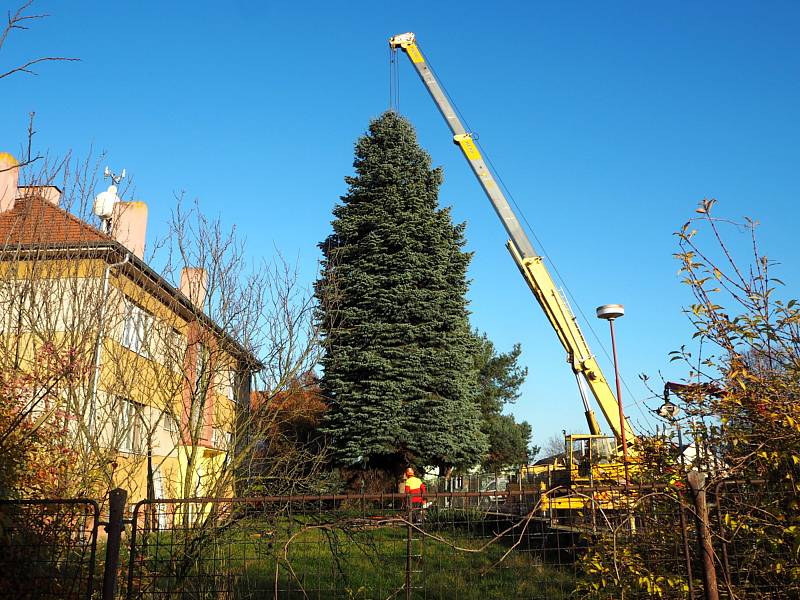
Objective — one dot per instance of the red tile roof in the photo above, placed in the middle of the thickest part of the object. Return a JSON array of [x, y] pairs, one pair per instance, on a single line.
[[34, 220]]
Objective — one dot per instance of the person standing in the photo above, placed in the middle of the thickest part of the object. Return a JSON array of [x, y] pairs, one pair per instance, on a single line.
[[415, 488]]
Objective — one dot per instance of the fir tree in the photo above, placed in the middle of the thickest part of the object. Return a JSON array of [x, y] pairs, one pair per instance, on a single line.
[[393, 311]]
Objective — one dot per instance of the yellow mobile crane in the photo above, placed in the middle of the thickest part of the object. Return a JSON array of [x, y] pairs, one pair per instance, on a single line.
[[581, 450]]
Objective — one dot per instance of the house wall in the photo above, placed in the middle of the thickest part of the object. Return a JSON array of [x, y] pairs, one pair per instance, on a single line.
[[61, 305]]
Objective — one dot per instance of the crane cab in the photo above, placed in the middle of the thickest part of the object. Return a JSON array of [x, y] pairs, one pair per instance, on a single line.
[[590, 459], [587, 460]]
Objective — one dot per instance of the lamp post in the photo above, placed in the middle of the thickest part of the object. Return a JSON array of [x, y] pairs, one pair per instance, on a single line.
[[611, 312]]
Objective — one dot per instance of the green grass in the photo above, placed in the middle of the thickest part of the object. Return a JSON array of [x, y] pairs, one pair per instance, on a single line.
[[361, 561]]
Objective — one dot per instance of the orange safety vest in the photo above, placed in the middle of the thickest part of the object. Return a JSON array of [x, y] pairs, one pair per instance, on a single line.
[[416, 488]]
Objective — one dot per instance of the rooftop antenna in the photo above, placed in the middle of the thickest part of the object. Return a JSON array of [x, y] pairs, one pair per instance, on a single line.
[[104, 201], [115, 179]]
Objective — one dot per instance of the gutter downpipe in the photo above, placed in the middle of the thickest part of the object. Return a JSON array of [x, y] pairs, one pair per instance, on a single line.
[[98, 342]]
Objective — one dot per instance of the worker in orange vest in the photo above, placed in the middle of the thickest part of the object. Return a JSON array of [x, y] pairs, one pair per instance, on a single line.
[[415, 488]]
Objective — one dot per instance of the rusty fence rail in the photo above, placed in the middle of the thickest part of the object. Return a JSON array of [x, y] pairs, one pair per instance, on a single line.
[[48, 548]]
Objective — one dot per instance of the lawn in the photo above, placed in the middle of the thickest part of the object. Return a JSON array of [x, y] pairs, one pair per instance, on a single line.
[[350, 557]]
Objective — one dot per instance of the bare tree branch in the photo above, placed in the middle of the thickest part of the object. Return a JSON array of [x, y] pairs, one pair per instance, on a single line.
[[19, 20]]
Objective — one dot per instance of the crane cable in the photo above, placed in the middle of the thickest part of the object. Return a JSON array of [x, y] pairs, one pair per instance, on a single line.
[[391, 75], [452, 102], [394, 81]]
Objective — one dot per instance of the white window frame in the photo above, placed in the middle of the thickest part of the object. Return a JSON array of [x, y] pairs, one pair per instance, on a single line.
[[202, 365], [195, 417], [132, 420], [137, 328], [226, 387], [177, 351], [159, 492], [169, 423], [123, 408]]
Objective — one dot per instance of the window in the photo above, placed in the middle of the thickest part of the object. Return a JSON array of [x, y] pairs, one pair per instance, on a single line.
[[159, 491], [131, 421], [199, 484], [73, 426], [199, 391], [602, 450], [202, 367], [177, 348], [123, 410], [169, 423], [194, 420], [136, 328], [228, 449], [227, 380], [220, 440]]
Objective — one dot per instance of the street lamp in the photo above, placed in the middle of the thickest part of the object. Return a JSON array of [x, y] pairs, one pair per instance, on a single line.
[[611, 312], [669, 411]]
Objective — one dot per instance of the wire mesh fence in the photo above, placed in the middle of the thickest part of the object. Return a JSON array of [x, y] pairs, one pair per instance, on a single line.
[[756, 529], [459, 544], [48, 548], [660, 540], [477, 538]]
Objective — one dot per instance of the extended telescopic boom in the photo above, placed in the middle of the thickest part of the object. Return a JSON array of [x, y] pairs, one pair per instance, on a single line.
[[556, 309]]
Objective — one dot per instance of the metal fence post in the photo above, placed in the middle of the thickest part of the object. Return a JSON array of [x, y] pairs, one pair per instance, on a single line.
[[116, 508], [409, 534], [685, 536], [697, 482]]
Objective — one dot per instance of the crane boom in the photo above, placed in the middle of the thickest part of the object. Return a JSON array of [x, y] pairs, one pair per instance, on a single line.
[[530, 264]]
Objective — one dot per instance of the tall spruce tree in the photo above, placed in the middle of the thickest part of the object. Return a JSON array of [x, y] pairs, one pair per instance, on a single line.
[[393, 311]]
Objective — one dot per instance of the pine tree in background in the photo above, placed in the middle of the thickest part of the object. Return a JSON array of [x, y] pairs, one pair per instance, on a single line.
[[398, 349], [499, 380]]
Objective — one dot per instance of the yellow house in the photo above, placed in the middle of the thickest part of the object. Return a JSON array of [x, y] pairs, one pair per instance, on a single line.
[[148, 387]]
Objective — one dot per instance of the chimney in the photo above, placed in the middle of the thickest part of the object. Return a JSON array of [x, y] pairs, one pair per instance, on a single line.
[[129, 225], [9, 179], [194, 285], [47, 192]]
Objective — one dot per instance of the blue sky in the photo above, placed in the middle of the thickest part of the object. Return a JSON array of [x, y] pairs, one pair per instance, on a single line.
[[607, 121]]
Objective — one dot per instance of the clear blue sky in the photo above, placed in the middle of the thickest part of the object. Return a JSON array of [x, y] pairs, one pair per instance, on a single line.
[[608, 121]]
